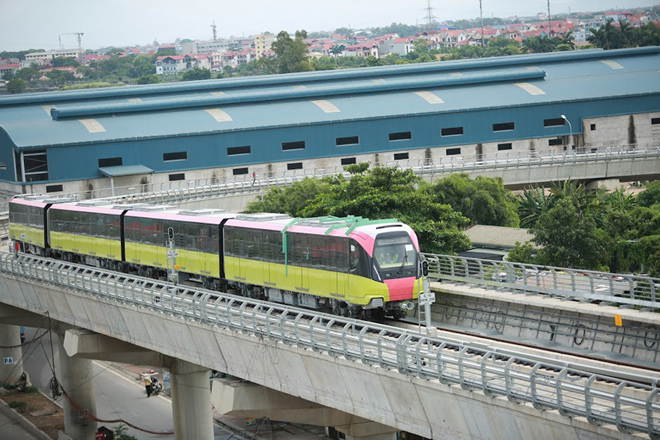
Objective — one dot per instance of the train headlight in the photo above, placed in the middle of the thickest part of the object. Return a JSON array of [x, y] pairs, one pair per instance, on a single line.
[[407, 305]]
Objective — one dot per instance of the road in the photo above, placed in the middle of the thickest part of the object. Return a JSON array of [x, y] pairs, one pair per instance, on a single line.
[[118, 396]]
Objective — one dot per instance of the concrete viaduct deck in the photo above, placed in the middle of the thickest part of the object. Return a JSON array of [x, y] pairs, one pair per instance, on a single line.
[[379, 379]]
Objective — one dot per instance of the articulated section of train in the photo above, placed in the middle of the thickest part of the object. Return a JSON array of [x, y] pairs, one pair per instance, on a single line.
[[347, 266]]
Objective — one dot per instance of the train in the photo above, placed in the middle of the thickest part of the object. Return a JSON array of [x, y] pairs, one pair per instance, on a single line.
[[348, 266]]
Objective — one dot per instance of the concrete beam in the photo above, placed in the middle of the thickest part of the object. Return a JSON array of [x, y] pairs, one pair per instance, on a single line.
[[245, 399], [15, 316], [85, 344]]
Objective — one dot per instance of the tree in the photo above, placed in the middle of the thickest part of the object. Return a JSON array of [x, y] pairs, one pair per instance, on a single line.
[[569, 240], [483, 200], [531, 204], [148, 79], [498, 47], [650, 196], [291, 52], [290, 200], [65, 62], [196, 74], [336, 50], [28, 73], [16, 85]]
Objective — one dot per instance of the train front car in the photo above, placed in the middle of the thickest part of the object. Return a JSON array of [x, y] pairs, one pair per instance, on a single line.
[[27, 224], [324, 263], [390, 260]]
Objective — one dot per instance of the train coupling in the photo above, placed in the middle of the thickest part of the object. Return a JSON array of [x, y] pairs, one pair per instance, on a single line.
[[407, 305]]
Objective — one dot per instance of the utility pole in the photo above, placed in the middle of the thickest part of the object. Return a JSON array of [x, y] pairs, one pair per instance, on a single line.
[[548, 18], [430, 18], [481, 14], [215, 35]]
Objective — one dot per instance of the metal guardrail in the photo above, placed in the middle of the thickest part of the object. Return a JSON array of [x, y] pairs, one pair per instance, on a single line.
[[629, 405], [632, 290], [169, 192]]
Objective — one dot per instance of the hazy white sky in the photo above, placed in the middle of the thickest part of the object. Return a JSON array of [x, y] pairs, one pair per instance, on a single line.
[[26, 24]]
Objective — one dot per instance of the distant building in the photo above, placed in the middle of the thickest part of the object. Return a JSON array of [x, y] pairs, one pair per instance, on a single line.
[[173, 64], [4, 68], [262, 43], [42, 58]]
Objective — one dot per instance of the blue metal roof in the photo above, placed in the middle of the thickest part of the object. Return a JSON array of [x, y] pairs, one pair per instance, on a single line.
[[582, 83]]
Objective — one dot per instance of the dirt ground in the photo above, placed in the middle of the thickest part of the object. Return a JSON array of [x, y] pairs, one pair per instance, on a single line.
[[38, 409]]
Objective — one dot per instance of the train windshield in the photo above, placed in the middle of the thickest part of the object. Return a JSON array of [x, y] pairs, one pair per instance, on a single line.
[[395, 255]]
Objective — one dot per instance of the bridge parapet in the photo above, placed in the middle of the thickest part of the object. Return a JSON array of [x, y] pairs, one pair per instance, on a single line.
[[631, 404]]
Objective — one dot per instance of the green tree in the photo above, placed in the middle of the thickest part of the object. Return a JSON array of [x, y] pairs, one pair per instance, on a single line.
[[650, 196], [60, 77], [501, 47], [540, 44], [531, 204], [64, 62], [196, 74], [16, 85], [568, 239], [28, 73], [290, 200], [607, 37], [483, 200], [148, 79], [336, 50], [9, 75], [291, 52], [522, 253]]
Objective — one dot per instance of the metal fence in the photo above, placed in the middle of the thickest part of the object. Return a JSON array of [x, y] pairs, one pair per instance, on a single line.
[[631, 405], [632, 290]]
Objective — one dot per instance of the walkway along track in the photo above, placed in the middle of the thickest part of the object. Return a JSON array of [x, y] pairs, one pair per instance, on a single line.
[[602, 399]]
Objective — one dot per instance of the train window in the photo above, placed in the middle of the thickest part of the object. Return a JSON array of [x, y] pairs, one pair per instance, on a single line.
[[506, 126], [358, 260], [272, 246], [452, 131], [554, 122], [401, 136]]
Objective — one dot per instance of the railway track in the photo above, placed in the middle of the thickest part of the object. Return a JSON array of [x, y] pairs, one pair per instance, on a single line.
[[626, 399]]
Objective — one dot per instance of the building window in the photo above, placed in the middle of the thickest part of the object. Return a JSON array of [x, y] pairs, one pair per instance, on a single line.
[[655, 121], [179, 176], [110, 162], [452, 131], [239, 171], [181, 155], [558, 141], [35, 165], [502, 147], [593, 127], [294, 166], [54, 188], [401, 136], [507, 126], [348, 161], [554, 122], [453, 151], [350, 140], [400, 156], [233, 151], [286, 146]]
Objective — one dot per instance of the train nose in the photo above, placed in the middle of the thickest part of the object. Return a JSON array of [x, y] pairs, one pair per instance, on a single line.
[[400, 288]]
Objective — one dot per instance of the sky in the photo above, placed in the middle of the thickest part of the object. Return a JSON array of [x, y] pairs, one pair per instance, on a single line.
[[26, 24]]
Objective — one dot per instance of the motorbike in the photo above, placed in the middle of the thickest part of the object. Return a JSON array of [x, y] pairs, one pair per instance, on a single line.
[[156, 386]]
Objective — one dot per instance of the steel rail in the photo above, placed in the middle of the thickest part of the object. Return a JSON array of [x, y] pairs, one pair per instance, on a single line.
[[601, 399]]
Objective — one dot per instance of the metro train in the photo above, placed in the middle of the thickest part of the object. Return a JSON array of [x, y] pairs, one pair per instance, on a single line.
[[347, 266]]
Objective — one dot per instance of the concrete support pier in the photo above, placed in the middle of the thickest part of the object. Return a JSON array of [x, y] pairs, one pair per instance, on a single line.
[[11, 358], [191, 401], [76, 377]]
